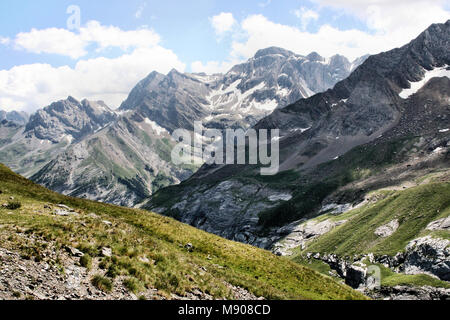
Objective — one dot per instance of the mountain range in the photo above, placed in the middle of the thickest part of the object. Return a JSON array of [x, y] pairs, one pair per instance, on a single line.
[[85, 149], [362, 194]]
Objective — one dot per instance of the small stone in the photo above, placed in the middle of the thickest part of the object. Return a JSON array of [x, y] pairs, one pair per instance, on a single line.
[[189, 247], [62, 213], [144, 260], [74, 252], [63, 206], [108, 223], [106, 252]]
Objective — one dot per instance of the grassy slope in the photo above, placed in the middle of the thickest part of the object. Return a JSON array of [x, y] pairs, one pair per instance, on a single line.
[[414, 208], [137, 233]]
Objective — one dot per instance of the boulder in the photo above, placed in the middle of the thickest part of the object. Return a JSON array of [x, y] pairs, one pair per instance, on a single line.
[[428, 255], [441, 224], [387, 229], [355, 276]]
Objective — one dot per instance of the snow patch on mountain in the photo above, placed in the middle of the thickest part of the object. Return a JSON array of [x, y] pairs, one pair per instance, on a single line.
[[429, 74], [157, 128]]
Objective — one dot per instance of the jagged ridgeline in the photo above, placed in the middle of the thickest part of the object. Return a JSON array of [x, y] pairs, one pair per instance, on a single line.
[[84, 149], [91, 250]]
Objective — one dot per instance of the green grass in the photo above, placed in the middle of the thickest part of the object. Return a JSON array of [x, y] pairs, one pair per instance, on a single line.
[[391, 279], [135, 234], [102, 283], [414, 208]]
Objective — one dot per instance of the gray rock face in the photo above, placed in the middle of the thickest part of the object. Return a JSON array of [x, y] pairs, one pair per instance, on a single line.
[[428, 255], [441, 224], [300, 234], [69, 119], [388, 229], [410, 293], [122, 164], [26, 149]]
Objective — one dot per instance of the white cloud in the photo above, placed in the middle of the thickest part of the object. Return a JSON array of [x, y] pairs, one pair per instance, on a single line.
[[212, 67], [306, 16], [408, 17], [388, 33], [109, 36], [223, 22], [4, 41], [29, 87], [52, 40], [74, 45]]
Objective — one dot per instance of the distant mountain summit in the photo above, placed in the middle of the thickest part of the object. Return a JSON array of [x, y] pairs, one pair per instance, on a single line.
[[69, 118], [272, 79], [20, 118]]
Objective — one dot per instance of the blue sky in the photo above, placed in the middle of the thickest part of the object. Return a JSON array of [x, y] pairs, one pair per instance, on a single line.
[[119, 42]]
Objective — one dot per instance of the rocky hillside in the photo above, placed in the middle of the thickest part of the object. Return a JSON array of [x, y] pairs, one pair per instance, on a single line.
[[390, 115], [121, 164], [84, 149], [90, 250], [404, 232]]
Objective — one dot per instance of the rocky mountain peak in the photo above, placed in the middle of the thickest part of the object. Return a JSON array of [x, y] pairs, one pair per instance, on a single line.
[[70, 119], [315, 57], [273, 51]]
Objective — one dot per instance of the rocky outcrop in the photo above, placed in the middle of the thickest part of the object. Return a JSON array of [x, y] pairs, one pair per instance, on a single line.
[[409, 293], [441, 224], [387, 229], [300, 234], [428, 255], [70, 119]]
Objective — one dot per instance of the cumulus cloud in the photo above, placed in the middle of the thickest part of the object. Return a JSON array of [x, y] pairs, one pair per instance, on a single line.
[[223, 22], [408, 17], [74, 45], [392, 25], [51, 40], [29, 87]]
